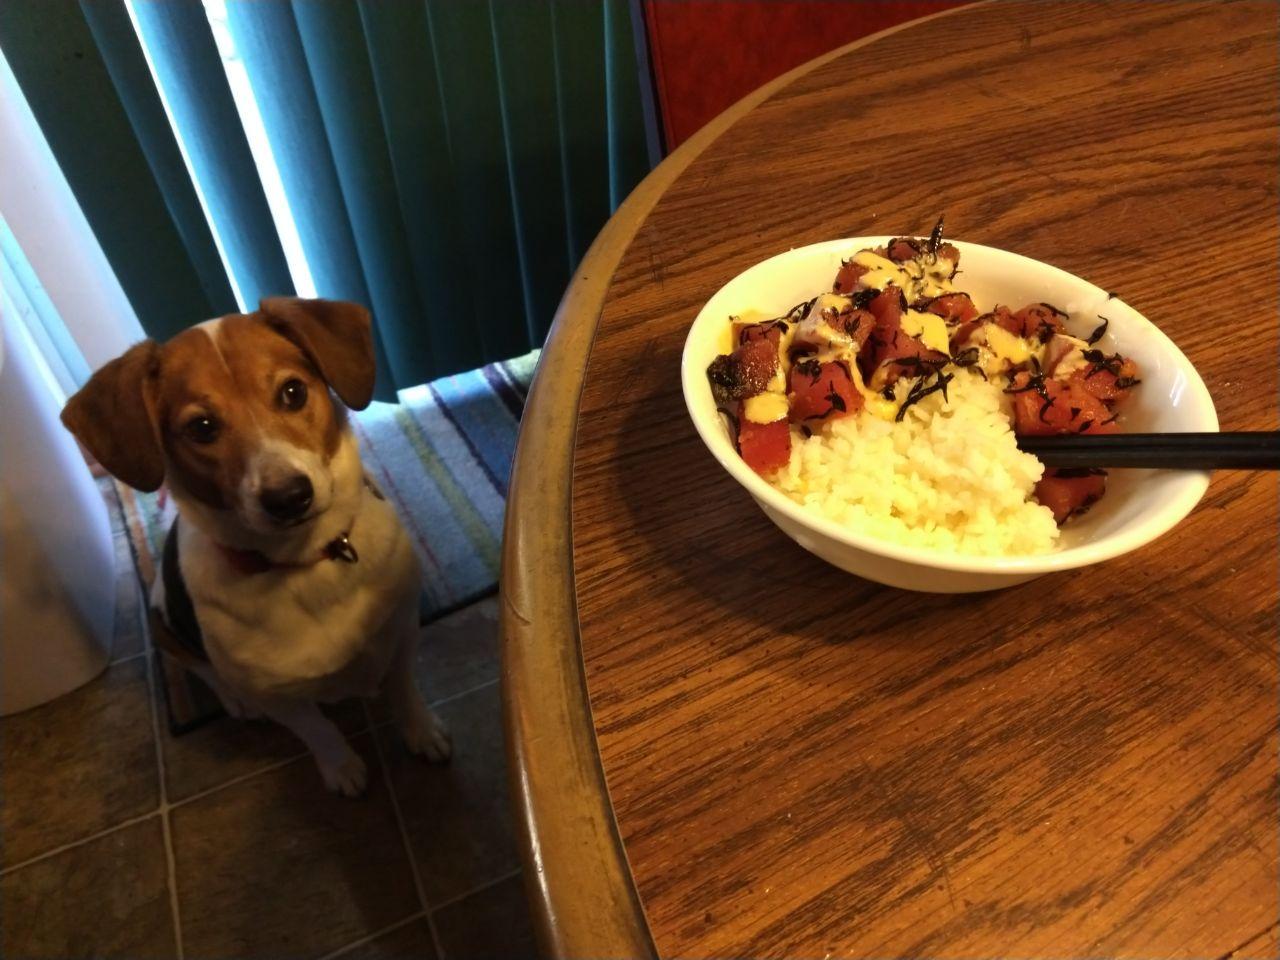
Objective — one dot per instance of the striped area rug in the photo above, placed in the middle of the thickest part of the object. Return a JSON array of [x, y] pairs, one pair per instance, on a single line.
[[442, 455]]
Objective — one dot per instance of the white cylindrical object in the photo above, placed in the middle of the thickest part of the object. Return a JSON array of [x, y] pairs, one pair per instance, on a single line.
[[57, 578]]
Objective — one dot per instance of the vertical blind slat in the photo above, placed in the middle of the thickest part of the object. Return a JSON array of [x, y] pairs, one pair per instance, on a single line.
[[524, 53], [122, 53], [338, 64], [191, 75], [463, 47], [628, 150], [404, 74], [267, 41], [583, 114]]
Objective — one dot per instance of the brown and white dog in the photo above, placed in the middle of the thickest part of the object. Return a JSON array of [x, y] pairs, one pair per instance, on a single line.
[[303, 582]]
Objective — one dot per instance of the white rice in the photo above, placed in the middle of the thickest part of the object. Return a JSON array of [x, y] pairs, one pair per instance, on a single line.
[[949, 476]]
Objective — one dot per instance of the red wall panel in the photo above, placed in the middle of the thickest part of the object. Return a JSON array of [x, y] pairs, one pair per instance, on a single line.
[[707, 54]]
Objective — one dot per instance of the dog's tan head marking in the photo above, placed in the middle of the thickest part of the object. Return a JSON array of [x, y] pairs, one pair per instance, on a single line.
[[337, 338], [236, 413]]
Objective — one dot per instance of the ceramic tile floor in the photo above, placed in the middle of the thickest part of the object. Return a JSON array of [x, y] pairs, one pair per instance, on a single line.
[[120, 840]]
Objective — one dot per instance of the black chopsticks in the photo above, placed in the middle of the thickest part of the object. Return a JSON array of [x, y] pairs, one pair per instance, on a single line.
[[1170, 451]]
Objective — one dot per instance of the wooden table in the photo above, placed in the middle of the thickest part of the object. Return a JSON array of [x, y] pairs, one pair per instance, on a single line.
[[799, 763]]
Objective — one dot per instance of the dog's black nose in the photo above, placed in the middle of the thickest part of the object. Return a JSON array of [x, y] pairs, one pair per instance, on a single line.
[[290, 500]]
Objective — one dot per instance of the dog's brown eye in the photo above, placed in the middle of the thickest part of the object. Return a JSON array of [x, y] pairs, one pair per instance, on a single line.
[[202, 429], [293, 395]]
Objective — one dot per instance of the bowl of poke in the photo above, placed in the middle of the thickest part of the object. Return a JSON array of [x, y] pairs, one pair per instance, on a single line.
[[869, 393]]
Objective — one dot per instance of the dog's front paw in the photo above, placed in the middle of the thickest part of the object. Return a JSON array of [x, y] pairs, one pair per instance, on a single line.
[[426, 736], [346, 775]]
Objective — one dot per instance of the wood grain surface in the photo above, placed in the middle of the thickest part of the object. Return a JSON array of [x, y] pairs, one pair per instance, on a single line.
[[803, 764]]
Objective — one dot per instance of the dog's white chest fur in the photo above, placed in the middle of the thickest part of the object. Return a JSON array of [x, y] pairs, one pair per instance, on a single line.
[[323, 631]]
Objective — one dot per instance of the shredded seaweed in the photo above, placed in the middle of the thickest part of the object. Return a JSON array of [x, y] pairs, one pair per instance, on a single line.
[[862, 298], [798, 312], [809, 368], [1099, 331], [851, 323], [919, 391], [935, 237], [1035, 382], [920, 366], [1101, 361]]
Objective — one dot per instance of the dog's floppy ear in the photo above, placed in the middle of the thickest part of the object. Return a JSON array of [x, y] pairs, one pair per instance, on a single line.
[[111, 416], [336, 335]]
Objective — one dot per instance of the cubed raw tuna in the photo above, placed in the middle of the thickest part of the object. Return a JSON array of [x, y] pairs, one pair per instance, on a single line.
[[847, 278], [822, 391], [1070, 494], [1042, 407], [1035, 321], [1108, 378], [765, 447]]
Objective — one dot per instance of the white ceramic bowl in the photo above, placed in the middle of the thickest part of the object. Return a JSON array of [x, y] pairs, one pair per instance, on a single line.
[[1139, 505]]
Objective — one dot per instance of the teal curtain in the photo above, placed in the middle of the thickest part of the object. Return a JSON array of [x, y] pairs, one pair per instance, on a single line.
[[446, 163]]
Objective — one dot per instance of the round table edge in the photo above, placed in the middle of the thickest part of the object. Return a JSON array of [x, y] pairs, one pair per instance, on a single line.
[[579, 885]]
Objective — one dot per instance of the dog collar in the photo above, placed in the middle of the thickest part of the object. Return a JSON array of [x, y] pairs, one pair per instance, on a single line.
[[250, 562]]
